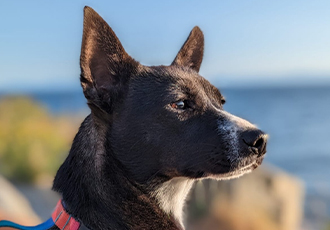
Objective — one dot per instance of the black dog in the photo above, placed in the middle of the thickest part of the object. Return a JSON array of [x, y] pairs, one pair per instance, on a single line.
[[151, 133]]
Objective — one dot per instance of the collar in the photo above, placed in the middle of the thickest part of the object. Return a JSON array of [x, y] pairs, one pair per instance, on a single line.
[[64, 220], [60, 218]]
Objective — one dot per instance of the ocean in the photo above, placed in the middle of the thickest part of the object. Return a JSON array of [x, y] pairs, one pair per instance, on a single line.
[[297, 120], [298, 123]]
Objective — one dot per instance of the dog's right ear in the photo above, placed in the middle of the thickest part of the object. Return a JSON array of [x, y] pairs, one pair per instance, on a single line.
[[191, 53], [105, 66]]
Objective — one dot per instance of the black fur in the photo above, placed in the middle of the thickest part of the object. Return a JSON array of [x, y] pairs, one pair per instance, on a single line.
[[135, 138]]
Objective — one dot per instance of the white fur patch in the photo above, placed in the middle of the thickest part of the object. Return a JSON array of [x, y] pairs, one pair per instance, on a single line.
[[172, 194], [231, 125]]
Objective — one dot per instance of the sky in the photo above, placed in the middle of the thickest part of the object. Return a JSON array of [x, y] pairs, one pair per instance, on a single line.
[[246, 42]]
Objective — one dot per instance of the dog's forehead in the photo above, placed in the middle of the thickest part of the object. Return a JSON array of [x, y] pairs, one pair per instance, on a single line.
[[184, 80]]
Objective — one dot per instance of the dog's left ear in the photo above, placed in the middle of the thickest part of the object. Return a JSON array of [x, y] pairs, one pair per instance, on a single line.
[[191, 53], [105, 66]]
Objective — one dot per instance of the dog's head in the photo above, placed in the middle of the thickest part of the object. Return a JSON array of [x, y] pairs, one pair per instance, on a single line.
[[163, 121]]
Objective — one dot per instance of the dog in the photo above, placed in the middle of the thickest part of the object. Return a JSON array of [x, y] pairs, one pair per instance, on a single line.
[[152, 132]]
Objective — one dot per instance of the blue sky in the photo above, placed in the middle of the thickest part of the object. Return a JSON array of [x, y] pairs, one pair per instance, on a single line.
[[245, 41]]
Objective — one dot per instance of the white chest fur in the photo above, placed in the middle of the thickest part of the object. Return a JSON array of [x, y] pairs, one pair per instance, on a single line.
[[172, 194]]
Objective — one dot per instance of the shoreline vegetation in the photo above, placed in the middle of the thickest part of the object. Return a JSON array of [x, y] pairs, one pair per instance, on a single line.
[[33, 142]]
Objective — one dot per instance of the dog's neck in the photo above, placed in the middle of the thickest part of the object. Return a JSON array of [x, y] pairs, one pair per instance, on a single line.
[[172, 194], [97, 192]]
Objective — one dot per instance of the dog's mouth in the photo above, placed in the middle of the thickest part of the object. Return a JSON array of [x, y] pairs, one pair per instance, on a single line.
[[238, 171]]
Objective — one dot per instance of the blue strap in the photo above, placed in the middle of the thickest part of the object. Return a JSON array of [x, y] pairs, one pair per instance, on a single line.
[[46, 225]]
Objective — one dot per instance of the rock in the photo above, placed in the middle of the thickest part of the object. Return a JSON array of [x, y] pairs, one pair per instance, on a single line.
[[265, 199], [14, 206]]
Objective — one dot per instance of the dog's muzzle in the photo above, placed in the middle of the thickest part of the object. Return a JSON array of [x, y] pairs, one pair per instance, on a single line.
[[245, 142]]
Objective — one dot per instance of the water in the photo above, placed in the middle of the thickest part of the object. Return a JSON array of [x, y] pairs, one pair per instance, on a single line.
[[296, 119], [62, 102]]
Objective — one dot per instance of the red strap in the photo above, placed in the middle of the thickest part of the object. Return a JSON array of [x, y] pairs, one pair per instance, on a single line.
[[64, 220]]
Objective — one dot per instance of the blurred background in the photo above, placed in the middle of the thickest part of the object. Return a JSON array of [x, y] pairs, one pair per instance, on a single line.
[[271, 60]]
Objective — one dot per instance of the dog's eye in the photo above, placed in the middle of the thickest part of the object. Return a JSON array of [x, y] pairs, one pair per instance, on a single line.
[[179, 105], [223, 101]]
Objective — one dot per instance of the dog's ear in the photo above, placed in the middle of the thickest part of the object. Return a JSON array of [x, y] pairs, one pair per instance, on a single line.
[[105, 66], [191, 53]]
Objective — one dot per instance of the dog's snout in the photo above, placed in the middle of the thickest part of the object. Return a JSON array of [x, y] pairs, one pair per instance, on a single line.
[[255, 139]]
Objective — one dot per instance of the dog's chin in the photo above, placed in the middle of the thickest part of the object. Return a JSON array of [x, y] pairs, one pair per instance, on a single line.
[[235, 173]]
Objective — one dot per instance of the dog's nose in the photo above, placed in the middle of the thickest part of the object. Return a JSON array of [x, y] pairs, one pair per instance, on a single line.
[[255, 139]]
